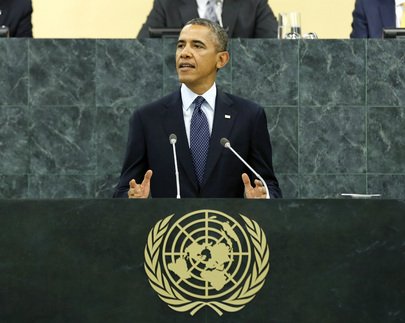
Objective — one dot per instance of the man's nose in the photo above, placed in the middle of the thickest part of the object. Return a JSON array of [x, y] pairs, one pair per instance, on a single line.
[[185, 51]]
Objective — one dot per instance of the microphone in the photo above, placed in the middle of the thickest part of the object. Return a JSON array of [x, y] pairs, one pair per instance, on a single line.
[[226, 143], [173, 140], [4, 30]]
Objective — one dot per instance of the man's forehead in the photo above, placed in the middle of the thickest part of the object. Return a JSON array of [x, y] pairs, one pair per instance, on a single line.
[[196, 33], [194, 30]]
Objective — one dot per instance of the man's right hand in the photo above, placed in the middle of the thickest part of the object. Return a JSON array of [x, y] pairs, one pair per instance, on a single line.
[[140, 191]]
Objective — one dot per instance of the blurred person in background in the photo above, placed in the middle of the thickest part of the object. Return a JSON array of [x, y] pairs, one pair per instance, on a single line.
[[371, 16], [15, 15], [241, 18]]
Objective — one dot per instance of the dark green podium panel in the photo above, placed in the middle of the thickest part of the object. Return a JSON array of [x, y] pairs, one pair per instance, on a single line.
[[83, 261]]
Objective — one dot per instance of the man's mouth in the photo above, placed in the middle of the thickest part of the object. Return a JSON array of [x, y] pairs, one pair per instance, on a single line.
[[186, 65]]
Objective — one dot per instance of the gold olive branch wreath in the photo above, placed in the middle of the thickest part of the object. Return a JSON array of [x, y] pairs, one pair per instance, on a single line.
[[177, 301]]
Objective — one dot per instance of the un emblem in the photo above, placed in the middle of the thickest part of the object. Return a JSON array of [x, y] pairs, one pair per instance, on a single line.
[[206, 258]]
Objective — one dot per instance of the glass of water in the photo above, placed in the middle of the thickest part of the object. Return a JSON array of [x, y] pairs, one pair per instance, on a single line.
[[289, 25]]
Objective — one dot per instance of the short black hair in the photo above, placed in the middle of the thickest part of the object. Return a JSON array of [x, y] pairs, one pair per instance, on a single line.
[[219, 32]]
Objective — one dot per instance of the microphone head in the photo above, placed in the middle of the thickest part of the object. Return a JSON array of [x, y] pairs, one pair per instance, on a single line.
[[225, 142], [173, 138]]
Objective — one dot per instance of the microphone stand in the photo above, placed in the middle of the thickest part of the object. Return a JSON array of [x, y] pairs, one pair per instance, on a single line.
[[173, 140], [225, 142]]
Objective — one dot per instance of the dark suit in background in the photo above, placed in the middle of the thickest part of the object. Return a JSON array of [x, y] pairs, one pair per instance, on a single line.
[[148, 147], [241, 18], [16, 15], [371, 16]]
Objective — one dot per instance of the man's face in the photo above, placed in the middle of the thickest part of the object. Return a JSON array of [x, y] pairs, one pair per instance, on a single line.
[[197, 58]]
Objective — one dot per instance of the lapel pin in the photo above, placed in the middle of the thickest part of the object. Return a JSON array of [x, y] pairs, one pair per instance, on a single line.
[[227, 116]]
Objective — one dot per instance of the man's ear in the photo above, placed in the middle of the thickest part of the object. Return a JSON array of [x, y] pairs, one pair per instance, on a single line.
[[222, 59]]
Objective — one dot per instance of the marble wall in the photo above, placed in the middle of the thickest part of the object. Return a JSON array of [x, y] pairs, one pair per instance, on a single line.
[[336, 111]]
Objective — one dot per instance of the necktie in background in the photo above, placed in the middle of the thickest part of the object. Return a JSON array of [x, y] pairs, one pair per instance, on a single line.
[[210, 11], [403, 16], [199, 138]]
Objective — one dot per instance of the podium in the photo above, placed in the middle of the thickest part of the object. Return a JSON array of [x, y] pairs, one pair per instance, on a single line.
[[82, 260]]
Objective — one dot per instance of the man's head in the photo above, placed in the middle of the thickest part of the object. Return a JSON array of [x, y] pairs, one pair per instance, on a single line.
[[219, 33], [201, 51]]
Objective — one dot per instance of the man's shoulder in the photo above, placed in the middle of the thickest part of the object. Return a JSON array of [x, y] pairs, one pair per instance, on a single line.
[[18, 5], [370, 4], [169, 3], [238, 101], [162, 102]]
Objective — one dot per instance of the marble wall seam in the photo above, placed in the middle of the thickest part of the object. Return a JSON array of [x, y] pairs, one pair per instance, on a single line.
[[61, 186]]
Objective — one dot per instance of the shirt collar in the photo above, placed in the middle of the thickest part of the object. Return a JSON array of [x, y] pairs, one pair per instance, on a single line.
[[188, 96]]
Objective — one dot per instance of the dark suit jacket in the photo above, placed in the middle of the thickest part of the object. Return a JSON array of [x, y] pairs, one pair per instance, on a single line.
[[371, 16], [148, 147], [16, 15], [243, 18]]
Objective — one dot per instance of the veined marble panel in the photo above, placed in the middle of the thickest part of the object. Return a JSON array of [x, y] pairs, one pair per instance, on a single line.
[[112, 132], [266, 71], [282, 124], [331, 186], [332, 72], [61, 186], [14, 140], [289, 184], [13, 186], [386, 73], [389, 186], [63, 141], [386, 140], [332, 140], [129, 72], [62, 72], [13, 71]]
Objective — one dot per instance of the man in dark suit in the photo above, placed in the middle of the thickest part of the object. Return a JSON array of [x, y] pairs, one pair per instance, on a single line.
[[371, 16], [201, 52], [16, 16], [241, 18]]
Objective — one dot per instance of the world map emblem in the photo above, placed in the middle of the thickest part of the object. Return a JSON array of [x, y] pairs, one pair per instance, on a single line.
[[206, 258]]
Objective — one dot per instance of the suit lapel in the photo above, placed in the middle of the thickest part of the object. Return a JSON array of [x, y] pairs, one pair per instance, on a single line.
[[224, 120], [174, 123], [229, 15], [387, 13], [188, 11]]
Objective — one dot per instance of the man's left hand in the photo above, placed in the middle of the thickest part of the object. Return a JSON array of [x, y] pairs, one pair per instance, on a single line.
[[256, 192]]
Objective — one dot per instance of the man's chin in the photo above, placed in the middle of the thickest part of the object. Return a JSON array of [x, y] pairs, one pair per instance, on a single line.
[[184, 79]]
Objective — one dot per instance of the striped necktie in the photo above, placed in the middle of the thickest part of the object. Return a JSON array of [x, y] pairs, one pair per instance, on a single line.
[[210, 11], [199, 138]]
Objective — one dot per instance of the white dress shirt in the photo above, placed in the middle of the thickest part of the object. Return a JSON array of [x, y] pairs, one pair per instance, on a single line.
[[399, 11], [188, 97]]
